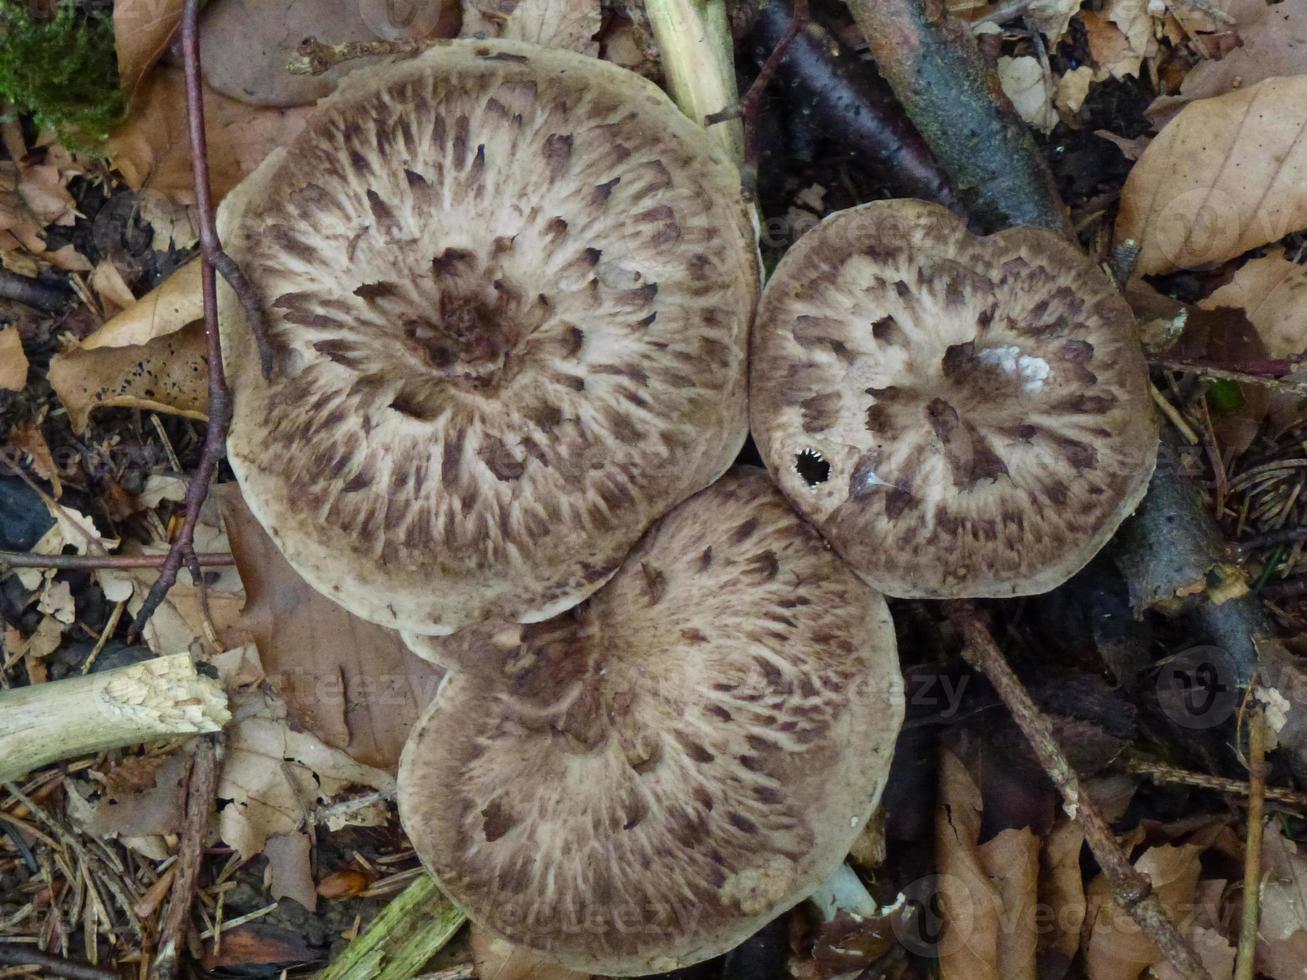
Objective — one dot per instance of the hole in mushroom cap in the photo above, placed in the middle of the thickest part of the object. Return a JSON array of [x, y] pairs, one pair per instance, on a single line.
[[810, 465]]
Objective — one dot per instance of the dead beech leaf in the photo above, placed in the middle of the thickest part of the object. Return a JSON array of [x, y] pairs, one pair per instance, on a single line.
[[986, 893], [1027, 88], [141, 32], [109, 285], [168, 374], [1282, 936], [25, 437], [1109, 47], [1272, 292], [1062, 892], [351, 683], [274, 777], [150, 806], [152, 152], [290, 868], [13, 362], [570, 24], [173, 304], [1227, 175], [1052, 17], [498, 959], [1073, 88]]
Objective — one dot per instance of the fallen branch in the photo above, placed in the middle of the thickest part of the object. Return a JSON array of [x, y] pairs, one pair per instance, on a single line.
[[1246, 955], [1131, 889], [20, 954], [30, 292], [838, 93], [1268, 374], [146, 702], [212, 257], [26, 559], [315, 57], [1164, 774], [409, 931], [201, 786], [952, 94]]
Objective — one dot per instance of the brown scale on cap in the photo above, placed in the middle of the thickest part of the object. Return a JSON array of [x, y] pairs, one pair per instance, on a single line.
[[960, 416], [643, 782], [508, 293]]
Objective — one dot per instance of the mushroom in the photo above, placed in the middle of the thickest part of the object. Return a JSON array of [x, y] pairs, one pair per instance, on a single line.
[[644, 781], [960, 416], [508, 292]]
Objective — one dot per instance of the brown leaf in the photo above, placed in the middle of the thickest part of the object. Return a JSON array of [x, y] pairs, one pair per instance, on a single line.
[[255, 944], [152, 151], [109, 286], [986, 894], [173, 304], [1282, 936], [570, 24], [13, 362], [1272, 41], [351, 683], [498, 959], [1272, 291], [345, 883], [141, 32], [290, 872], [1062, 897], [1117, 949], [142, 797], [1227, 175], [167, 375], [26, 437]]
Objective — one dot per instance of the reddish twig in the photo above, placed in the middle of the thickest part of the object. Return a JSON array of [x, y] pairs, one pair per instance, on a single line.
[[751, 104], [1268, 373], [1131, 889], [25, 559], [20, 954], [201, 787], [211, 255]]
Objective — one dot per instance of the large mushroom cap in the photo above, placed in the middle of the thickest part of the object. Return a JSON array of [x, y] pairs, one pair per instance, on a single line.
[[960, 416], [655, 774], [508, 291]]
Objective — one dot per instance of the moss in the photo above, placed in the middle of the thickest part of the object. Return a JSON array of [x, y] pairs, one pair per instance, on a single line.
[[63, 71]]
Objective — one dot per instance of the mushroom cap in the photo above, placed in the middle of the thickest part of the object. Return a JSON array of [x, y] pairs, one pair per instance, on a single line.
[[960, 416], [650, 777], [508, 291]]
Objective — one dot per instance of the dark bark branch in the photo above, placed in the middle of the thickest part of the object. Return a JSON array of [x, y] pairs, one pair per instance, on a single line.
[[31, 292], [20, 954], [23, 559]]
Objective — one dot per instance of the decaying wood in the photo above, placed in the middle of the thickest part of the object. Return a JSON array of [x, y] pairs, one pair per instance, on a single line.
[[157, 699]]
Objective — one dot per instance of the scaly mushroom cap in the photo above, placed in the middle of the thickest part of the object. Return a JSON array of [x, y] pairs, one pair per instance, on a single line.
[[650, 777], [960, 416], [508, 292]]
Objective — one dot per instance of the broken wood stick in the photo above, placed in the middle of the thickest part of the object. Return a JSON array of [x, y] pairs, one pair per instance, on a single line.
[[156, 699], [398, 943]]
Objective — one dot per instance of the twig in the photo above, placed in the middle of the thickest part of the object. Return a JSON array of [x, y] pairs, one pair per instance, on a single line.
[[830, 88], [30, 292], [1246, 955], [951, 93], [201, 785], [24, 559], [211, 255], [20, 954], [1268, 374], [404, 936], [1161, 773], [1131, 889], [1284, 535], [751, 103], [314, 57]]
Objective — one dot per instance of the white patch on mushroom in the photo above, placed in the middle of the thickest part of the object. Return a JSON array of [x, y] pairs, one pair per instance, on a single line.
[[1031, 371]]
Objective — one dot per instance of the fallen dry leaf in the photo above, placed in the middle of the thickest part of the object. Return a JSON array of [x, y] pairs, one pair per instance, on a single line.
[[1227, 175], [137, 810], [351, 683], [1116, 948], [1052, 17], [1073, 88], [13, 362], [168, 374], [987, 893], [1133, 19], [257, 944], [25, 437], [1025, 84], [167, 308], [1062, 894], [290, 868], [152, 152], [1272, 42], [274, 777], [570, 24], [1109, 47], [1282, 935], [1272, 292], [108, 283], [172, 226], [141, 32], [498, 959]]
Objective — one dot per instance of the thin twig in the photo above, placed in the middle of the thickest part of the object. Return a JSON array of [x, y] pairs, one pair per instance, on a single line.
[[215, 439], [24, 559], [1131, 889], [751, 103], [1161, 773], [21, 954], [1284, 535], [1246, 956], [201, 785], [30, 292], [1268, 374]]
